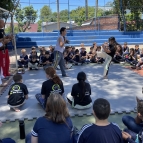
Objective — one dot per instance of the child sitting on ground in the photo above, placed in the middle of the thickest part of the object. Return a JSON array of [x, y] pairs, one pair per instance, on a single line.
[[33, 61], [102, 131], [134, 133], [76, 57], [18, 93], [51, 50], [99, 60], [23, 61], [131, 57], [91, 55], [83, 55], [137, 50], [41, 56], [34, 49], [47, 60]]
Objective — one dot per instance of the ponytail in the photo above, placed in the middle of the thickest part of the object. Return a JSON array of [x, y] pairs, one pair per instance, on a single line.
[[83, 88], [56, 79]]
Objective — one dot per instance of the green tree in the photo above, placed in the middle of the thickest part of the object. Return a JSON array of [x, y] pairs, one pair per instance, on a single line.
[[64, 15], [8, 29], [39, 25], [53, 17], [45, 13], [24, 17]]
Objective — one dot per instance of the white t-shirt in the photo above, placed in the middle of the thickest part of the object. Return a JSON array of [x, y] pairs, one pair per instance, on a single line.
[[58, 47]]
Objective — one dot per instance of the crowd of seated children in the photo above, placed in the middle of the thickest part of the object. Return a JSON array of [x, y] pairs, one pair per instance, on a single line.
[[52, 85], [56, 126], [17, 94], [33, 60], [137, 50], [79, 97], [23, 61]]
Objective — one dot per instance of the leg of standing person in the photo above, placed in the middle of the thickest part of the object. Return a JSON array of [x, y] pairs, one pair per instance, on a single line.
[[130, 123], [106, 65], [59, 60]]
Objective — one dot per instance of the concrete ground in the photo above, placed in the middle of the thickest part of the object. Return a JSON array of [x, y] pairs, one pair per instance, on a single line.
[[11, 129]]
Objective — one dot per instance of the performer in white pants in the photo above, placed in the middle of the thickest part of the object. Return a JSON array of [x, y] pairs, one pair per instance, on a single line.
[[108, 53]]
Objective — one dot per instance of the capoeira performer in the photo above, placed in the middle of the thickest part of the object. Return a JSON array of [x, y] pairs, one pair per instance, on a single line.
[[108, 53], [58, 52]]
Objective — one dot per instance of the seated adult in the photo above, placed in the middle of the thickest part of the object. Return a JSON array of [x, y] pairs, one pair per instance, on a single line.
[[135, 124], [52, 85], [17, 94], [80, 94], [23, 61], [56, 125], [101, 131]]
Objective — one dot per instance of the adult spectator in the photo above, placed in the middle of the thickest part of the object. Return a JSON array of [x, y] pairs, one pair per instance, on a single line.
[[4, 51], [56, 125], [102, 131], [80, 94]]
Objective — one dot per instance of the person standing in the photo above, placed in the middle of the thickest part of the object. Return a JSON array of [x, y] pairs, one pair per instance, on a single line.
[[4, 52], [58, 52]]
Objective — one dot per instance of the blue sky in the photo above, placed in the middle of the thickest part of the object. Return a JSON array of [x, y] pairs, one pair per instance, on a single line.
[[38, 4]]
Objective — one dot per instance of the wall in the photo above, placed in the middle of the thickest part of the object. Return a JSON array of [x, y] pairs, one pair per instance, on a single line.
[[51, 27], [102, 23]]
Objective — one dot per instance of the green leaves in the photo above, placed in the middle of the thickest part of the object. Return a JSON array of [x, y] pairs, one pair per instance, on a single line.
[[24, 17]]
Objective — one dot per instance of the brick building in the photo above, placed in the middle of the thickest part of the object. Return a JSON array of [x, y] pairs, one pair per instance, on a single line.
[[100, 23]]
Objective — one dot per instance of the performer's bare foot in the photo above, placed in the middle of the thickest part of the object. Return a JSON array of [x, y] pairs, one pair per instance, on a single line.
[[16, 109]]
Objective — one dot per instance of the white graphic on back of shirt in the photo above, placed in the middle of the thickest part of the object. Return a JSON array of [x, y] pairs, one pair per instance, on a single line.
[[56, 89], [16, 89]]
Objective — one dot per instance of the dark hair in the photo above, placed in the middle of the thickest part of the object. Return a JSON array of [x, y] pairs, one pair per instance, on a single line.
[[81, 77], [47, 53], [101, 108], [52, 73], [56, 109], [76, 51], [62, 30], [136, 45], [98, 47], [17, 77], [132, 50], [121, 52]]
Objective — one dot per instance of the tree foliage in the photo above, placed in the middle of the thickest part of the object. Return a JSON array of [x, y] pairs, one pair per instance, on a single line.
[[8, 29], [24, 17]]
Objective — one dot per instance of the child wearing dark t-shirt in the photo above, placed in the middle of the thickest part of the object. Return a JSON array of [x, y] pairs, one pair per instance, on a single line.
[[76, 56], [23, 61], [52, 85], [33, 61], [83, 55], [17, 93], [47, 60], [80, 94], [101, 131]]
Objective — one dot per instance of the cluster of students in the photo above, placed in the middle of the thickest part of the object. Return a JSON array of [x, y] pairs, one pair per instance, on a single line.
[[57, 118], [133, 56], [36, 58]]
